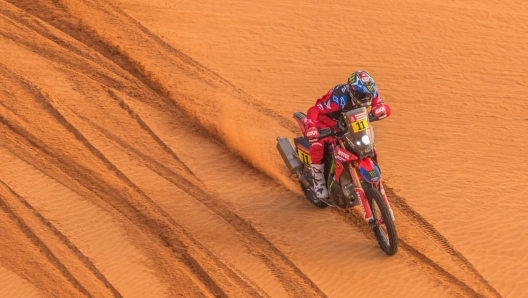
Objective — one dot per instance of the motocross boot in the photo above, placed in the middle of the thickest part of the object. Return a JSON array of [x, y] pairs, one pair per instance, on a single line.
[[319, 181]]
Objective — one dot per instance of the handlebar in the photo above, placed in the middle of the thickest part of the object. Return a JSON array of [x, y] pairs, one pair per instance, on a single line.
[[323, 133], [327, 132], [372, 118]]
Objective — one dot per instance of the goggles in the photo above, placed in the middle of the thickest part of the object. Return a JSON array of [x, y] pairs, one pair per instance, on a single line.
[[360, 96]]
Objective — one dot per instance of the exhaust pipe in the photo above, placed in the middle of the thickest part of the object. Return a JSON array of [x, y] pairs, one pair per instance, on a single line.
[[289, 156]]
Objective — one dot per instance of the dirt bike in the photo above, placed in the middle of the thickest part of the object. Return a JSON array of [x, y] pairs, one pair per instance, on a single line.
[[352, 174]]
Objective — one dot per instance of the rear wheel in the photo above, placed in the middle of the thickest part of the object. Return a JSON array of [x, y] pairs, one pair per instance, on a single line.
[[313, 198], [384, 229]]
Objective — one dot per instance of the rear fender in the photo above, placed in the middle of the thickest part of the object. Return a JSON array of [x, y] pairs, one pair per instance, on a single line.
[[302, 120]]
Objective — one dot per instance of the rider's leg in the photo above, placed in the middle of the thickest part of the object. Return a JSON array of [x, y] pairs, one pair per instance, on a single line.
[[319, 181], [317, 154]]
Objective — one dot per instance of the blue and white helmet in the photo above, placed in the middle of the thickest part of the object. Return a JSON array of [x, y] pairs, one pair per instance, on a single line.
[[362, 88]]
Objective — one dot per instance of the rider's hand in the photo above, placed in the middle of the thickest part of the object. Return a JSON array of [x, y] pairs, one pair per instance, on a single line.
[[379, 112], [312, 134]]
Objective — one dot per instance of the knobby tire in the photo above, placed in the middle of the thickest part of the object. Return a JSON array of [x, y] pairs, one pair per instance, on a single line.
[[390, 247], [312, 198]]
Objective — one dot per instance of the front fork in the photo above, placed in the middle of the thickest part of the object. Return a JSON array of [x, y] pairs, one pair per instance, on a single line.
[[363, 201], [384, 195]]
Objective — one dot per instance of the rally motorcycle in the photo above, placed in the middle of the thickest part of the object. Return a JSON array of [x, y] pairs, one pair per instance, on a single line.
[[352, 174]]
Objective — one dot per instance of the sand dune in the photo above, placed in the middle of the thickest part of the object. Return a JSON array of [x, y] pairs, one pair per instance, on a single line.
[[137, 146]]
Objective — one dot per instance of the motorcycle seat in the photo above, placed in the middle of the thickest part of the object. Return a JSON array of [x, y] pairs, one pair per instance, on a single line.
[[303, 143]]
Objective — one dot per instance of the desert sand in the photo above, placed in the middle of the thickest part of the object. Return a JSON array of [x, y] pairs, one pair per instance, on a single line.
[[137, 148]]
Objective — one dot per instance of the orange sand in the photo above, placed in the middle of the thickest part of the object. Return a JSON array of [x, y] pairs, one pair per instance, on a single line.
[[137, 143]]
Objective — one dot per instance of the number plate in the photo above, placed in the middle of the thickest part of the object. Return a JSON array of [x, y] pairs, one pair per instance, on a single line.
[[304, 157], [359, 124]]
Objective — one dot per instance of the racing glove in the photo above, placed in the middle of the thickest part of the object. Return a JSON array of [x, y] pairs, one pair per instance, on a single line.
[[379, 112], [312, 134]]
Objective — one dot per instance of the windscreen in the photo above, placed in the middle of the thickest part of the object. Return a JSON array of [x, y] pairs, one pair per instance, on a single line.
[[360, 134]]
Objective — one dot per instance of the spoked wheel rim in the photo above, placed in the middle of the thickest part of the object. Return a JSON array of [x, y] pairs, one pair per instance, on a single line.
[[383, 228], [380, 223]]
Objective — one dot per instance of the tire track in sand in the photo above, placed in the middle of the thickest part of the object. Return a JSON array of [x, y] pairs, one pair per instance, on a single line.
[[146, 128], [56, 14], [48, 104], [175, 157], [171, 234], [82, 258], [185, 240], [203, 70], [22, 18], [286, 272], [421, 223], [46, 160], [120, 199], [45, 250], [471, 284]]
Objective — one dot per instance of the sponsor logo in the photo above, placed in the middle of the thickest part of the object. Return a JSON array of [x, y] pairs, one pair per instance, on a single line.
[[320, 106], [342, 102], [364, 89], [380, 112], [335, 99], [372, 173], [358, 117], [312, 133], [381, 109], [352, 78], [364, 77], [370, 88], [343, 154]]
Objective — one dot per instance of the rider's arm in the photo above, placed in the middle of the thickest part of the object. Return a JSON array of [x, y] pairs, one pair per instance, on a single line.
[[324, 105], [379, 108]]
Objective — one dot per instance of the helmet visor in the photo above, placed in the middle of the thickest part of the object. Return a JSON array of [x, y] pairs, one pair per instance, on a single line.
[[360, 97]]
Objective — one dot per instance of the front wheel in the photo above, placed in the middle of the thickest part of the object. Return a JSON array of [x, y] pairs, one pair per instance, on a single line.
[[384, 228]]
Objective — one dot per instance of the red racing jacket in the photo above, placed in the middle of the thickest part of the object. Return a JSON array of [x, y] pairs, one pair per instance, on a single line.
[[337, 101]]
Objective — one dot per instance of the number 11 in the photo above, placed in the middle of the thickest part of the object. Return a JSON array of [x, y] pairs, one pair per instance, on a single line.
[[360, 125]]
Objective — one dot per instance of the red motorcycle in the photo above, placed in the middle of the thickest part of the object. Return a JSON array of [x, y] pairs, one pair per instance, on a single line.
[[352, 174]]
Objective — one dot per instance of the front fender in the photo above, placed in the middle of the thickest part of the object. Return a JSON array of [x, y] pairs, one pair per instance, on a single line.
[[369, 170]]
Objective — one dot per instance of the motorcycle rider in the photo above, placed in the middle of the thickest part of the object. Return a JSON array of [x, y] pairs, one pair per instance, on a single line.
[[360, 91]]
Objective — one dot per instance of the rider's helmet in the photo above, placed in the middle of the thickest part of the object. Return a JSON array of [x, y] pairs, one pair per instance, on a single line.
[[361, 88]]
